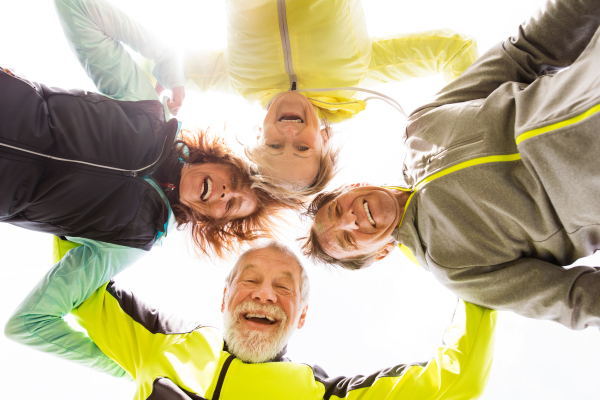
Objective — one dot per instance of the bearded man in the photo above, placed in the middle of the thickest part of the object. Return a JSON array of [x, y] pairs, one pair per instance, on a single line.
[[501, 178], [264, 302]]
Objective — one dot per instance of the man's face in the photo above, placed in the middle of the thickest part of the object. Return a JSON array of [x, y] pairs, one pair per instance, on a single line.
[[263, 307], [357, 222]]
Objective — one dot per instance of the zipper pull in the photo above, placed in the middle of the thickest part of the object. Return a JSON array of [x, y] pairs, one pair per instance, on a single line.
[[130, 173]]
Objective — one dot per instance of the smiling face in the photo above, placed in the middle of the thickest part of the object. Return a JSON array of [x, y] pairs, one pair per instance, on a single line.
[[213, 189], [263, 305], [292, 139], [359, 221]]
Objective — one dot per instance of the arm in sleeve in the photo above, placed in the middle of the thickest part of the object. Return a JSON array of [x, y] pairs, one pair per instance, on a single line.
[[127, 329], [38, 321], [459, 370], [94, 30], [532, 288], [415, 55], [549, 41]]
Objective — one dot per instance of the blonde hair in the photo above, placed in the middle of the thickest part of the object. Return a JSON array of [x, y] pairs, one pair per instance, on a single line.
[[294, 193]]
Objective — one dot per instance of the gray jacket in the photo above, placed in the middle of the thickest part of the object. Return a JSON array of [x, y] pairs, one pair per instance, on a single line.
[[496, 221]]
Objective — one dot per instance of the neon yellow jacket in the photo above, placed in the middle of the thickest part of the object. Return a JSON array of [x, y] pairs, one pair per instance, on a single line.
[[170, 358], [276, 44]]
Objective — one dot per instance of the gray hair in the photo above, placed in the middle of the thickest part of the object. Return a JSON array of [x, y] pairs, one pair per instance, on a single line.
[[272, 244]]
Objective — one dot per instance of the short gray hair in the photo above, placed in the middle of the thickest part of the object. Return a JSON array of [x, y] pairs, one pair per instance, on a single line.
[[272, 244]]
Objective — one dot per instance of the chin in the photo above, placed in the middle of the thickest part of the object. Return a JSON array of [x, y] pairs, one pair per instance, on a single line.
[[253, 346]]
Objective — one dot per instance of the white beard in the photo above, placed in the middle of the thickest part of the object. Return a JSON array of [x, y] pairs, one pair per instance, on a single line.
[[255, 346]]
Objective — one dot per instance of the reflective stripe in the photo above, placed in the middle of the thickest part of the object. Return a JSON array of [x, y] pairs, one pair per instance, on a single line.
[[526, 135], [285, 43], [457, 167]]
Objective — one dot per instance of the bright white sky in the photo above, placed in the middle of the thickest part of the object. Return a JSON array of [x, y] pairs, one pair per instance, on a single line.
[[358, 322]]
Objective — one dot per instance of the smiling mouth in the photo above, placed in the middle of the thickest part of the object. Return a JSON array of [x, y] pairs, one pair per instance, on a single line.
[[260, 318], [291, 118], [368, 212], [207, 187]]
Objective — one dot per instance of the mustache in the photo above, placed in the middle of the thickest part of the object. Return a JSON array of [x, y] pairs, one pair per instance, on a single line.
[[251, 307]]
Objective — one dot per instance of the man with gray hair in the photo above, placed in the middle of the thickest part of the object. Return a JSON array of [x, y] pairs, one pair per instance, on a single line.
[[265, 300]]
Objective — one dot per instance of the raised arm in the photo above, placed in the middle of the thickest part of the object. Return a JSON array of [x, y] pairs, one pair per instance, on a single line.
[[38, 321], [421, 54], [459, 369], [550, 40], [532, 288], [94, 29]]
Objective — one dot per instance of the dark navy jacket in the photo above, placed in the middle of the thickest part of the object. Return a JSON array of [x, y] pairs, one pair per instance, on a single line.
[[71, 163]]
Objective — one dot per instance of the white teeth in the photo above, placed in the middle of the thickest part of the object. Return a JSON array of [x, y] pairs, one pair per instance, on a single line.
[[209, 191], [366, 206], [260, 316]]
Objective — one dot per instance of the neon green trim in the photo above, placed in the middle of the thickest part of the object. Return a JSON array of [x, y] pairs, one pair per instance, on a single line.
[[526, 135], [476, 161], [397, 188], [466, 164], [406, 251]]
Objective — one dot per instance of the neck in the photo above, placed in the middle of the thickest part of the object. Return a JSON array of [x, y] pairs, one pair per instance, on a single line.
[[401, 197]]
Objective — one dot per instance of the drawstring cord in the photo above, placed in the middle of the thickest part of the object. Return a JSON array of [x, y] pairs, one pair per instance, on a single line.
[[378, 96]]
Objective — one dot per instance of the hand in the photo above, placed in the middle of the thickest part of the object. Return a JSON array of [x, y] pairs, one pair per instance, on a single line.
[[177, 96]]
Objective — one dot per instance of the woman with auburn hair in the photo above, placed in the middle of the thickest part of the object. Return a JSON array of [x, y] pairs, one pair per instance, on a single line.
[[215, 224], [112, 167]]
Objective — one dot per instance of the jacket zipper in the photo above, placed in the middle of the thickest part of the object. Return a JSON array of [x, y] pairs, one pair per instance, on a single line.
[[126, 172], [285, 43], [476, 139]]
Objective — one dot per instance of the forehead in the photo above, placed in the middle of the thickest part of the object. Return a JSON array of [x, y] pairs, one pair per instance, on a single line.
[[327, 233], [270, 262]]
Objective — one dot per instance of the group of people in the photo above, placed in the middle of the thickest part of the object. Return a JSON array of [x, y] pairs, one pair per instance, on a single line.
[[497, 193]]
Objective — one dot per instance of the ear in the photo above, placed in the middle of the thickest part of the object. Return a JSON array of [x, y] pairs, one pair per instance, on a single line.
[[302, 318], [324, 136], [384, 251], [223, 303]]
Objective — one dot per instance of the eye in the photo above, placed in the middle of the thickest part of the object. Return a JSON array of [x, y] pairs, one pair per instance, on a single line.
[[275, 146], [338, 210], [302, 148], [349, 240], [229, 206]]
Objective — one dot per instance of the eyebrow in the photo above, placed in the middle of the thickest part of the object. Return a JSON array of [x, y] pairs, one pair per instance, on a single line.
[[248, 266]]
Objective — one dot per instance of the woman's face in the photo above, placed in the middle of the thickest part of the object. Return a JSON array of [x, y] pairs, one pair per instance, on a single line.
[[292, 139], [214, 190]]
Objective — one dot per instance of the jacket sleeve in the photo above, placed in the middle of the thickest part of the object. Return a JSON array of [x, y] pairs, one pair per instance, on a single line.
[[94, 30], [549, 41], [532, 288], [127, 329], [421, 54], [38, 321], [459, 370]]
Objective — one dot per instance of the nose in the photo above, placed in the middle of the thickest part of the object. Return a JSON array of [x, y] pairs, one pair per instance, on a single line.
[[290, 131], [265, 293], [226, 192], [348, 221]]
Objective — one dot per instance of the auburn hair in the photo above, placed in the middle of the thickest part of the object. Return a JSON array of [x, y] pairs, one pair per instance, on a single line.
[[220, 236]]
